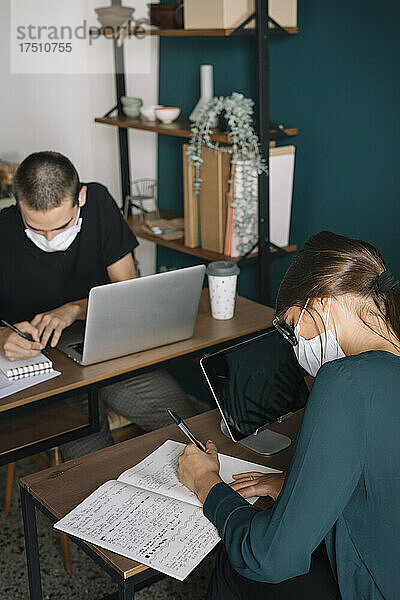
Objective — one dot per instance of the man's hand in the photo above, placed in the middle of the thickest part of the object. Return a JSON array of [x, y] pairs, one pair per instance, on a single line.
[[15, 347], [249, 485], [51, 324], [198, 470]]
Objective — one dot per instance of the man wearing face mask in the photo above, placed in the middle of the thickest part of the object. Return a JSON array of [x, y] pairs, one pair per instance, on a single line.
[[62, 239]]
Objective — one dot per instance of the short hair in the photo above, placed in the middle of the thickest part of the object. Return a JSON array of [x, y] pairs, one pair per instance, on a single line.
[[45, 179]]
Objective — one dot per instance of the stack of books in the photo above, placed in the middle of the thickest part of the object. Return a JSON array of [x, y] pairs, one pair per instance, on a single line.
[[220, 218]]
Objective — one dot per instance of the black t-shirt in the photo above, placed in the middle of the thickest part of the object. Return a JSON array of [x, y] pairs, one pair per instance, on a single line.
[[33, 281]]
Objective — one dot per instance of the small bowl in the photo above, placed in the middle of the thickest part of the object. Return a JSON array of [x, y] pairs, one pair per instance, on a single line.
[[114, 16], [131, 111], [132, 102], [167, 114], [148, 112]]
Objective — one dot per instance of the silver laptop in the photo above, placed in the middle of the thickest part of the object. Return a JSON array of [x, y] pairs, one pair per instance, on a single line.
[[130, 316]]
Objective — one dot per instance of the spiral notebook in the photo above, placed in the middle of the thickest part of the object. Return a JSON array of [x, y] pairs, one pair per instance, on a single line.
[[29, 367]]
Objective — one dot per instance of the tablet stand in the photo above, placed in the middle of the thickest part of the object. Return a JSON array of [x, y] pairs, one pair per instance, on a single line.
[[264, 441]]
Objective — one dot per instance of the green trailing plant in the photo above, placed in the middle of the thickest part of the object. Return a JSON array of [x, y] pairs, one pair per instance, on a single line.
[[246, 159]]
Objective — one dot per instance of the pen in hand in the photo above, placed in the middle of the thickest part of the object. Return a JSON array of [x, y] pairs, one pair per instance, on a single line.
[[185, 429], [16, 330]]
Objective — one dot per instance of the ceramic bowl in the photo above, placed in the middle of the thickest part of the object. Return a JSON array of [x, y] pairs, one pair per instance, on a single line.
[[132, 102], [131, 111], [114, 16], [167, 114], [148, 112]]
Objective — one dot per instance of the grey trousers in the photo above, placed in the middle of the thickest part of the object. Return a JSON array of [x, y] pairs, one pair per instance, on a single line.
[[143, 400]]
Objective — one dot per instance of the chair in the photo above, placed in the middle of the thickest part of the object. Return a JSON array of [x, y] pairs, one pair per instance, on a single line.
[[142, 190]]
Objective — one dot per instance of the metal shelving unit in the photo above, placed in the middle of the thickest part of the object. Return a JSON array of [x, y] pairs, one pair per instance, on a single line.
[[265, 26]]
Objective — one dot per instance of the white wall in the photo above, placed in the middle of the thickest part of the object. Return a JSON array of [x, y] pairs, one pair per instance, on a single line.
[[54, 111]]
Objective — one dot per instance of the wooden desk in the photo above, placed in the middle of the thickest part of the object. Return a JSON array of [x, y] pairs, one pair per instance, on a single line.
[[250, 317], [46, 490]]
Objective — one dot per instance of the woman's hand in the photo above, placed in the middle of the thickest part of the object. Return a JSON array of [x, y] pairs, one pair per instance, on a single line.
[[253, 484], [198, 470]]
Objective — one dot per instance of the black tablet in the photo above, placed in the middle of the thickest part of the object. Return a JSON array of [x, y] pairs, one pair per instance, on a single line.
[[255, 383]]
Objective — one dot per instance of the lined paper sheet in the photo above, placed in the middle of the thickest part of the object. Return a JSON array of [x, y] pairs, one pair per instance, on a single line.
[[158, 472], [169, 536]]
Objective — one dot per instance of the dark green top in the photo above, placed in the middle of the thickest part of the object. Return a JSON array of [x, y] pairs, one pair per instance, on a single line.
[[343, 485]]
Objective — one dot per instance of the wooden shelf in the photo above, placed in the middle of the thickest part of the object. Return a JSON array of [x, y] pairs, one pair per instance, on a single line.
[[179, 246], [179, 128], [198, 32], [38, 423], [212, 32]]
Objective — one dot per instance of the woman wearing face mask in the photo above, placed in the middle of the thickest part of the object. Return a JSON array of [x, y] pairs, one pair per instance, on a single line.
[[339, 307]]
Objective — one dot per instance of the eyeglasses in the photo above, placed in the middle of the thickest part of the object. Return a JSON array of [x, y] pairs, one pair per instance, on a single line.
[[286, 331]]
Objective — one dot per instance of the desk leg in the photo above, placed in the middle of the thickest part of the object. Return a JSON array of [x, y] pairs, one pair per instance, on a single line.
[[31, 545], [126, 590], [93, 405]]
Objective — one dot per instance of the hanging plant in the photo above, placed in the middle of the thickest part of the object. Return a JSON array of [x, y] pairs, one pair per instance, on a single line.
[[246, 160]]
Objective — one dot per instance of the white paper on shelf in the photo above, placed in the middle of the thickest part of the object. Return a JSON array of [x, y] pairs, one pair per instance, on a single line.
[[281, 172]]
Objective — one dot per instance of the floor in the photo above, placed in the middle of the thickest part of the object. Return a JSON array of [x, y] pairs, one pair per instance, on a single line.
[[88, 581]]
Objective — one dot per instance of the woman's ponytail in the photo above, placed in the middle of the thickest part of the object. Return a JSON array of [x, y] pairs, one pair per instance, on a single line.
[[392, 303]]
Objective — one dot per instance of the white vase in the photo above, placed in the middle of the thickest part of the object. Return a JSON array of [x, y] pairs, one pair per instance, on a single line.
[[206, 91]]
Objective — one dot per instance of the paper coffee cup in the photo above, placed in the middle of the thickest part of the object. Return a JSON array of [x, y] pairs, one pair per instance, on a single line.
[[222, 280]]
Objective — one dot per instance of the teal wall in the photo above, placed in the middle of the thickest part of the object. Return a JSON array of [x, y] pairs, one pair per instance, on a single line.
[[338, 81]]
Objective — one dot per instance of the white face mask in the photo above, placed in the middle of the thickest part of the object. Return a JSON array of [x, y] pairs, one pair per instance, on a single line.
[[308, 352], [60, 242]]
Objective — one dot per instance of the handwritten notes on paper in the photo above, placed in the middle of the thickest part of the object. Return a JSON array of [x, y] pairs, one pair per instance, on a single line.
[[158, 472], [147, 515], [170, 536]]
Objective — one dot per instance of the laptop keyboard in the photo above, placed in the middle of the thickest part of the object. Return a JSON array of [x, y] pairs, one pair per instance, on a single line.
[[77, 347]]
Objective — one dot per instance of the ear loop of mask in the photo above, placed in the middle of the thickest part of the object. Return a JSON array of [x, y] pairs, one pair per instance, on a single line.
[[325, 323], [326, 327], [301, 314]]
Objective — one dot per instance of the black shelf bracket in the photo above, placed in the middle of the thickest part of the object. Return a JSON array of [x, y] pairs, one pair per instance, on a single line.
[[245, 257], [110, 111], [279, 28], [274, 250], [277, 131], [240, 29]]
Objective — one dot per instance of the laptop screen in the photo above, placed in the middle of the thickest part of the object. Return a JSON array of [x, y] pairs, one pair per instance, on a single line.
[[255, 382]]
